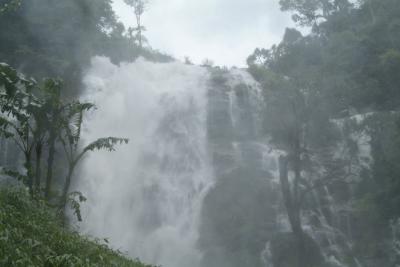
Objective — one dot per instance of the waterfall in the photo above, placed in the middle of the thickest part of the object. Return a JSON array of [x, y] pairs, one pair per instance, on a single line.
[[145, 197], [198, 183]]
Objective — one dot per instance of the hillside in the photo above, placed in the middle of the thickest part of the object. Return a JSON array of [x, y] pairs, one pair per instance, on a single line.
[[32, 235]]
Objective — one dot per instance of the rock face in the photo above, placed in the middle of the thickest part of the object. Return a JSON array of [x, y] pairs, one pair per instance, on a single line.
[[243, 221], [240, 212], [283, 247], [238, 216]]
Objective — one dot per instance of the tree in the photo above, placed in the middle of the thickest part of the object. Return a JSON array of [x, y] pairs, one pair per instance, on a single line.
[[70, 137], [313, 12], [50, 50], [297, 122], [39, 134], [313, 86], [35, 119], [207, 63], [19, 115], [139, 6]]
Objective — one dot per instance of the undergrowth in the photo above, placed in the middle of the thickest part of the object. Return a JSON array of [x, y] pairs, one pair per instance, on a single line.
[[31, 234]]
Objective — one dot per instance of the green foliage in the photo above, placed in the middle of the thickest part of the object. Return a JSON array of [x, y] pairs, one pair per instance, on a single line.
[[55, 38], [347, 65], [59, 38], [311, 12], [139, 7], [69, 135], [75, 198], [34, 115], [385, 143], [295, 103], [32, 235], [71, 124], [16, 175], [351, 57], [105, 143], [20, 117], [10, 5]]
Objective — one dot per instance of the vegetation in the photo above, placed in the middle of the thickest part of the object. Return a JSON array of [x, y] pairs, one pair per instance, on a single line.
[[31, 234], [42, 119], [31, 122], [345, 67], [59, 38], [139, 7], [324, 91], [9, 6]]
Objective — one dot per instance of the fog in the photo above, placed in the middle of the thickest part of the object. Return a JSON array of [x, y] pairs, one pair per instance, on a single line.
[[200, 133], [147, 199], [183, 28]]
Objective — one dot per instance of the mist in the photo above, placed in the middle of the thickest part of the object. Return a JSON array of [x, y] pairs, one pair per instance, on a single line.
[[213, 134], [147, 200]]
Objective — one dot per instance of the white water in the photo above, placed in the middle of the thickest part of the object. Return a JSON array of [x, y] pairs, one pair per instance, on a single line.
[[146, 196]]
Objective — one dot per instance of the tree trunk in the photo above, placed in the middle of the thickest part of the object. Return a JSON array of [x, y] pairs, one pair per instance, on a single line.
[[28, 166], [38, 168], [139, 27], [67, 184], [50, 162]]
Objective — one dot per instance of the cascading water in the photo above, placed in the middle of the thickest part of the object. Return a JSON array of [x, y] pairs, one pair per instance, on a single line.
[[145, 197], [198, 184]]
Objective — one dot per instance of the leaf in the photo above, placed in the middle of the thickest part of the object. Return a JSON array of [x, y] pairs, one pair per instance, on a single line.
[[15, 175], [5, 124], [72, 120], [6, 134], [75, 204], [105, 143]]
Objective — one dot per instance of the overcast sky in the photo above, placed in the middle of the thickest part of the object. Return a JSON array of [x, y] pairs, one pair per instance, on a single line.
[[225, 31]]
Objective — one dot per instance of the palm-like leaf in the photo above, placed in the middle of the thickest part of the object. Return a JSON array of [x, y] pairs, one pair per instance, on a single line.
[[107, 143], [73, 120]]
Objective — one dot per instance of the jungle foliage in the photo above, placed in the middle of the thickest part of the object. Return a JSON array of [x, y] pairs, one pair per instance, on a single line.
[[42, 120], [32, 235], [59, 38], [35, 117], [345, 68]]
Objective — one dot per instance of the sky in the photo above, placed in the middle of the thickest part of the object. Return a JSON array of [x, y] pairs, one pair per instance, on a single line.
[[224, 31]]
